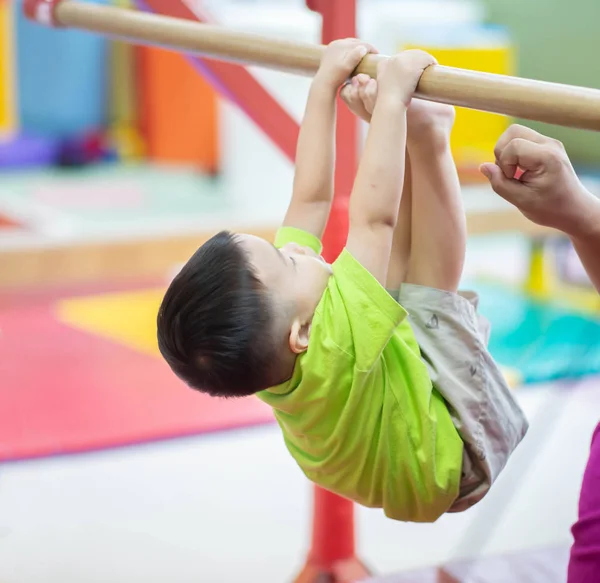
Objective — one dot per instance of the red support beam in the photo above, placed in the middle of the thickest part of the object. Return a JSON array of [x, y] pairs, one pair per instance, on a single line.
[[339, 21], [237, 84], [332, 557]]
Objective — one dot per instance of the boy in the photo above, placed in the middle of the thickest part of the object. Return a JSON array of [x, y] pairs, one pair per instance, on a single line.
[[402, 412]]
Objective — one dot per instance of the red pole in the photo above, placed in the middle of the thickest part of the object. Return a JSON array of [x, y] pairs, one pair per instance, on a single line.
[[332, 556], [339, 21], [333, 528]]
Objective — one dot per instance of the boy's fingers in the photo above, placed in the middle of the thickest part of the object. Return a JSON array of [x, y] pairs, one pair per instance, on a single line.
[[346, 92], [361, 51], [350, 96], [362, 91], [370, 95], [367, 93]]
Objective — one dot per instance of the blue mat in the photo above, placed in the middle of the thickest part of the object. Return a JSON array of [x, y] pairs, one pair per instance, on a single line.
[[542, 341]]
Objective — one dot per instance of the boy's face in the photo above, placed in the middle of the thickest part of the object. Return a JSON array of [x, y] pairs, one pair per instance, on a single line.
[[296, 275]]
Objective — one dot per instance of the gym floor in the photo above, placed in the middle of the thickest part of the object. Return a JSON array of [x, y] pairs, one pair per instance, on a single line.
[[233, 507]]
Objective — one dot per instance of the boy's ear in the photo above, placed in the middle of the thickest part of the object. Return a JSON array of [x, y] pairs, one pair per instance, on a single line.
[[299, 336]]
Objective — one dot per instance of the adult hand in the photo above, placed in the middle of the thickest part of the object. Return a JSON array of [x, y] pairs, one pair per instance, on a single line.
[[548, 192]]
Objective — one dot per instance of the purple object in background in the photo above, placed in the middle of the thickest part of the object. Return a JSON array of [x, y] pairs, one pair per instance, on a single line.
[[28, 151]]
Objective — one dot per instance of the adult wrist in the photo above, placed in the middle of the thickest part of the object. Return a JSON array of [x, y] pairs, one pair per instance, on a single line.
[[586, 223]]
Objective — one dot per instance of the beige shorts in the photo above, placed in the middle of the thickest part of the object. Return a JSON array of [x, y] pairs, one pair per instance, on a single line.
[[453, 340]]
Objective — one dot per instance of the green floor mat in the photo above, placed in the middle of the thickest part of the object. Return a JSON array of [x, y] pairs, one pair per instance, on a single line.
[[542, 341]]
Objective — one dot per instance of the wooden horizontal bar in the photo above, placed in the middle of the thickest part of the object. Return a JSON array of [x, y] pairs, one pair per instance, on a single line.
[[553, 103]]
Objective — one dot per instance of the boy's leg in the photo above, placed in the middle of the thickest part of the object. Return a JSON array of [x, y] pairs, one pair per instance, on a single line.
[[360, 95], [400, 255], [438, 238], [450, 334]]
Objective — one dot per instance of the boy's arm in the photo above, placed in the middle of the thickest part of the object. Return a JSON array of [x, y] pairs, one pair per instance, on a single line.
[[315, 153], [312, 193], [377, 191]]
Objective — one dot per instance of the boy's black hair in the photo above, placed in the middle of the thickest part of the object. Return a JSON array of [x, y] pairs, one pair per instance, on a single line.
[[216, 323]]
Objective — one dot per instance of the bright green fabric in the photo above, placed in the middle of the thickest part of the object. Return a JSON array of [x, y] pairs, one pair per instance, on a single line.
[[287, 235], [359, 415]]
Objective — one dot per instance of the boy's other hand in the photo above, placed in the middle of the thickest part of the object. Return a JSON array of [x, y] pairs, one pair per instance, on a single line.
[[360, 95], [399, 75], [340, 59], [426, 120], [534, 173]]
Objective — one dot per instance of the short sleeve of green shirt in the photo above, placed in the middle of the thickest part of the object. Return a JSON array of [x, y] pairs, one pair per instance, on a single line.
[[360, 415], [287, 235]]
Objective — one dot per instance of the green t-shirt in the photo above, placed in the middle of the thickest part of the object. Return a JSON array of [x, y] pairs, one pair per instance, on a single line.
[[360, 415]]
